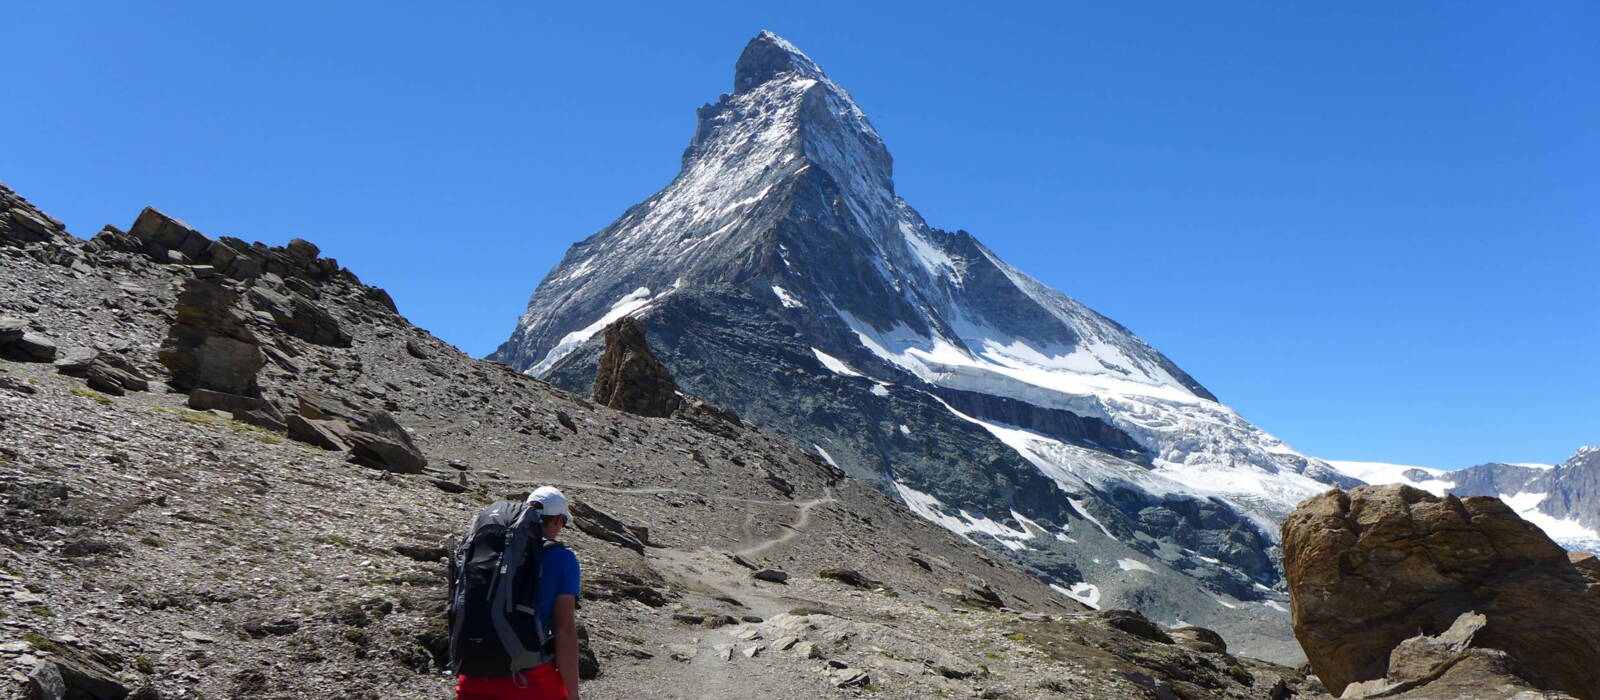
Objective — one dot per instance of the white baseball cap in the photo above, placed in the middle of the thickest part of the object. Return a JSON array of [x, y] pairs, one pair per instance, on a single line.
[[551, 501]]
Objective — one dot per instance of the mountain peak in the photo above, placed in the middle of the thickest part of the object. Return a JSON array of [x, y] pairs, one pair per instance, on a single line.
[[769, 55]]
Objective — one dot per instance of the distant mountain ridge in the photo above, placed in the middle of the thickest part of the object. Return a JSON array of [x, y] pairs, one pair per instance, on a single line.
[[781, 276], [1562, 499]]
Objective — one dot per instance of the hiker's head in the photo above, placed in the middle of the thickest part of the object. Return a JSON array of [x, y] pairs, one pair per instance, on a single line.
[[552, 507]]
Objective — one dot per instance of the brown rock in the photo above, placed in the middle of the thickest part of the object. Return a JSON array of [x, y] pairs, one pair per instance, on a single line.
[[162, 232], [327, 434], [1199, 638], [631, 378], [1132, 622], [1375, 566], [208, 345]]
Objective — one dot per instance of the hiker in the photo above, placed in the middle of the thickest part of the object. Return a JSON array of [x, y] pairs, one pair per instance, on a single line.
[[545, 645]]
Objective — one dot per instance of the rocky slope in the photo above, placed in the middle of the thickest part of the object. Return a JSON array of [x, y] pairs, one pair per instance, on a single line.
[[783, 278], [1400, 593], [161, 544]]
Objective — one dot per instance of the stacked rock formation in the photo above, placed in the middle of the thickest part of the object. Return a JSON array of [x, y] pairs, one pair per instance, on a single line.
[[1393, 588], [630, 377]]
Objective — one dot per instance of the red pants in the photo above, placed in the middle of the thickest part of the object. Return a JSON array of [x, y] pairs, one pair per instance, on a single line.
[[542, 683]]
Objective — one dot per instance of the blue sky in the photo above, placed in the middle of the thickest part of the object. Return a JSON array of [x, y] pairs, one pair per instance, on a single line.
[[1371, 227]]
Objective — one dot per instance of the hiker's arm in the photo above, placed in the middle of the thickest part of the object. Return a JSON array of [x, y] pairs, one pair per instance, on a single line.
[[566, 629]]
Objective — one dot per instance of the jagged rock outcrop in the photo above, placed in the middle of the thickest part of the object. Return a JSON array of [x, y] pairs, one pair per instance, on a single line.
[[209, 345], [1370, 568], [630, 377]]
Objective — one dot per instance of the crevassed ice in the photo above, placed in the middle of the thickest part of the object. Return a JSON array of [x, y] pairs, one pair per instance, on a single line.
[[1560, 529], [1385, 473]]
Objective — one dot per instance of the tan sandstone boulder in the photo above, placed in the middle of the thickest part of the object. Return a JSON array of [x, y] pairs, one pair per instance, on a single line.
[[1371, 568]]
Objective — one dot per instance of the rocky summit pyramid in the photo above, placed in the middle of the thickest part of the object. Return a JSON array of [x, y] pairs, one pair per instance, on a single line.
[[781, 276]]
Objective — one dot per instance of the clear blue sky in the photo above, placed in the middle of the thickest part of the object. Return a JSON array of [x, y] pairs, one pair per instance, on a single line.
[[1371, 227]]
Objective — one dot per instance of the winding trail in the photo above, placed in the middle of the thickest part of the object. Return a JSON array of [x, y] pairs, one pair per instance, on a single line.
[[800, 522]]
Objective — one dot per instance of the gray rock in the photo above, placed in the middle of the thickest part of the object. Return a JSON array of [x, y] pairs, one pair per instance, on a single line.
[[1132, 622], [379, 441], [45, 682], [75, 360], [329, 434], [850, 678], [772, 575], [11, 329], [247, 409], [32, 347], [32, 227], [84, 676], [602, 526]]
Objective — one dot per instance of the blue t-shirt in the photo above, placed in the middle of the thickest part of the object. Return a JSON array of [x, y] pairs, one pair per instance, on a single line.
[[558, 575]]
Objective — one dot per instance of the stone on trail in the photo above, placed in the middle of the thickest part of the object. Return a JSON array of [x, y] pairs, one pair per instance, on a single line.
[[1132, 622], [80, 676], [772, 575], [848, 577], [850, 678], [1199, 638], [45, 683], [245, 409], [753, 652]]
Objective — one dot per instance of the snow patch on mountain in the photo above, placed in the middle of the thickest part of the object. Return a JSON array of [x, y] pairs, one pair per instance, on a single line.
[[962, 523], [632, 302], [1084, 592], [834, 364], [788, 300], [1134, 565]]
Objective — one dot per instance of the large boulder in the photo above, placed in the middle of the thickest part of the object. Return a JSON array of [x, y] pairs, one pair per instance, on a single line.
[[1370, 568], [209, 346], [630, 377], [379, 441]]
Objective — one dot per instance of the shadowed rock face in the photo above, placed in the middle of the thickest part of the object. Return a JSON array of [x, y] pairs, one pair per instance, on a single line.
[[209, 346], [1370, 568], [631, 378]]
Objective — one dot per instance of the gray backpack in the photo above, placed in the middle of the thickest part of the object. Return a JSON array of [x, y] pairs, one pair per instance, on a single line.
[[494, 583]]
